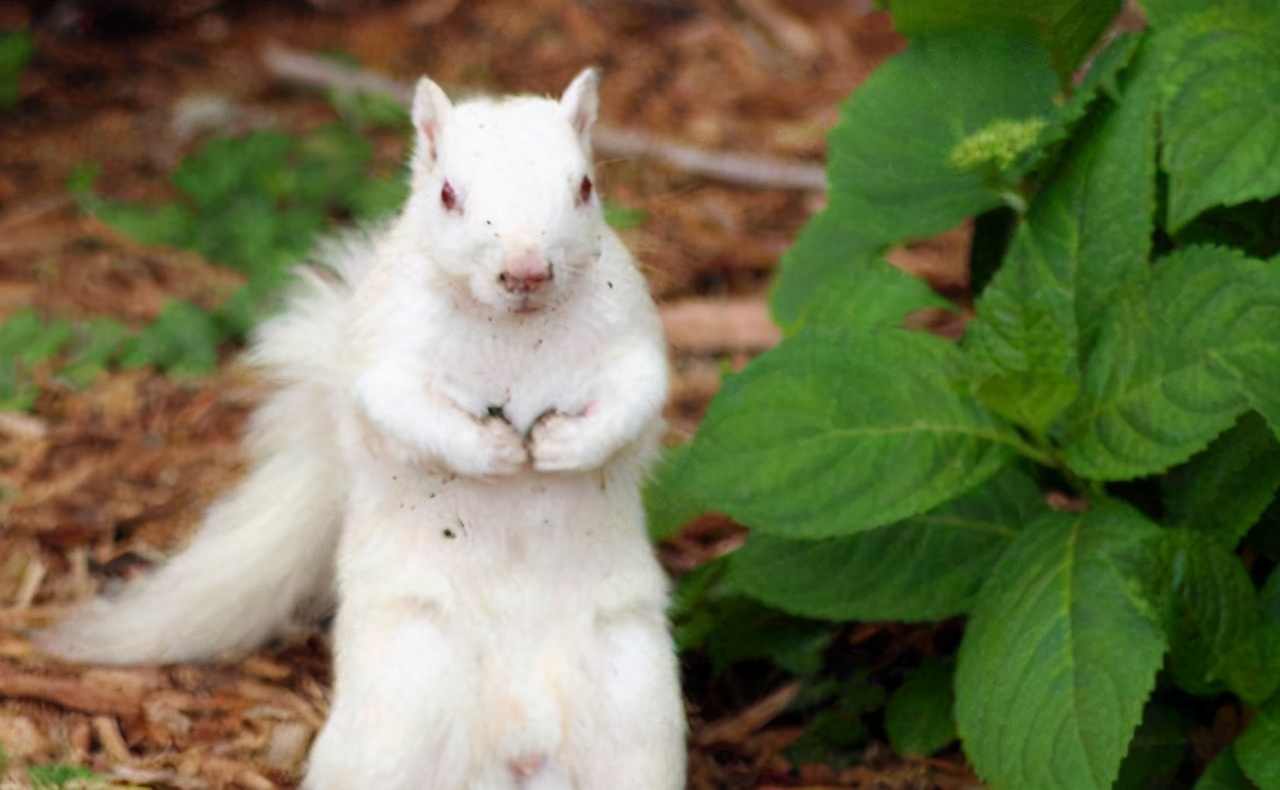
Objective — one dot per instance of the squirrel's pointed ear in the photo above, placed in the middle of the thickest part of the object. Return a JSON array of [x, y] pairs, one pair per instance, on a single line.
[[580, 102], [431, 112]]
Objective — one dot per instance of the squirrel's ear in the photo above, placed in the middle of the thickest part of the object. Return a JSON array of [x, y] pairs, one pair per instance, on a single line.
[[431, 112], [580, 102]]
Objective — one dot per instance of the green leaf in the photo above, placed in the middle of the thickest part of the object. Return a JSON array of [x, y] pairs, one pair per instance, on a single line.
[[25, 338], [1168, 372], [1224, 490], [876, 293], [1068, 28], [891, 152], [919, 719], [183, 340], [1086, 235], [833, 736], [834, 432], [1258, 747], [1158, 749], [1223, 773], [924, 568], [376, 198], [1058, 659], [830, 250], [1220, 116], [743, 630], [225, 170], [172, 224], [669, 502], [1269, 599], [54, 777], [1210, 613], [16, 48], [99, 342], [333, 160]]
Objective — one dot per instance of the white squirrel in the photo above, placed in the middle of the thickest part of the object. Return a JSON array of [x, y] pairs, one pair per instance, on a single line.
[[468, 401]]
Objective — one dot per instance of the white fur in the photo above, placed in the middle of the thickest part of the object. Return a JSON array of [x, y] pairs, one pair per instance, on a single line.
[[476, 455]]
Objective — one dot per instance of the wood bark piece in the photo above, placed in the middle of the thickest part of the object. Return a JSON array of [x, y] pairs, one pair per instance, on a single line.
[[754, 171], [114, 692], [714, 326], [785, 28]]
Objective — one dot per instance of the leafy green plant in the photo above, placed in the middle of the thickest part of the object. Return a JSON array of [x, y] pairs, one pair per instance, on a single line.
[[255, 204], [16, 48], [1090, 475]]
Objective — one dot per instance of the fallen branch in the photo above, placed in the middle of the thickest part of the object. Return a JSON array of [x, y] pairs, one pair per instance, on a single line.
[[754, 171], [737, 728], [713, 326]]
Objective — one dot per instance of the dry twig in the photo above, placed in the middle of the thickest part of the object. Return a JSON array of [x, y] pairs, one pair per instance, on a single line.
[[754, 171]]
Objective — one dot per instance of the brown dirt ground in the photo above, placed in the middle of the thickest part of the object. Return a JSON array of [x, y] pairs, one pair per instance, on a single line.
[[97, 484]]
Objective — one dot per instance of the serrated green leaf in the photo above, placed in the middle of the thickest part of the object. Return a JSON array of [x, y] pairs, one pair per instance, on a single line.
[[1210, 614], [834, 432], [1220, 117], [1165, 376], [876, 293], [830, 249], [1224, 489], [1258, 747], [921, 569], [183, 340], [1068, 28], [1223, 773], [1103, 79], [1058, 658], [890, 161], [1157, 750], [919, 719], [1087, 234]]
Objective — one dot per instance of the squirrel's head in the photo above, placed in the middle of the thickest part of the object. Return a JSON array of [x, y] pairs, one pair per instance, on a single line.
[[503, 196]]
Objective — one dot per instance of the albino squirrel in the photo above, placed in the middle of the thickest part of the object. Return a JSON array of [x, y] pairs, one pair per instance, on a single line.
[[469, 399]]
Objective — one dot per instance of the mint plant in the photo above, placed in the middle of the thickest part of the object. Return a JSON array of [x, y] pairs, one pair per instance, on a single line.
[[1090, 475]]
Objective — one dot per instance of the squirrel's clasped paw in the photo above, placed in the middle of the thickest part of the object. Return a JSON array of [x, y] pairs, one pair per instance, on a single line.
[[562, 443]]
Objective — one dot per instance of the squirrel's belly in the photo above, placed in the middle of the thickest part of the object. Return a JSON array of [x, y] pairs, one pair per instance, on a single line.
[[520, 546]]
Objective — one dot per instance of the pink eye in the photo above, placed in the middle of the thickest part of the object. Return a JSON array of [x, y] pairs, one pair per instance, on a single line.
[[449, 198], [584, 191]]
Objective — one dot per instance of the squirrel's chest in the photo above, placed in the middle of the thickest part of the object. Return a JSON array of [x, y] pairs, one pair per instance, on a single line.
[[522, 374]]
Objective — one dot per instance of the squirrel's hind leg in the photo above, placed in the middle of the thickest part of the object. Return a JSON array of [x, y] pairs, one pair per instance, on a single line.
[[627, 728], [403, 708]]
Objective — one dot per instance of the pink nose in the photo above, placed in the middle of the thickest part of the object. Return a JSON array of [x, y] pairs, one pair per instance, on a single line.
[[525, 273]]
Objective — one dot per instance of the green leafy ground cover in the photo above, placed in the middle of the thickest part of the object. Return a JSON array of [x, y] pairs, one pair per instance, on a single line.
[[1124, 356]]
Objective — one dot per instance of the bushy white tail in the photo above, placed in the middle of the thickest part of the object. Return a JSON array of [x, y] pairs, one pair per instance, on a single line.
[[267, 546]]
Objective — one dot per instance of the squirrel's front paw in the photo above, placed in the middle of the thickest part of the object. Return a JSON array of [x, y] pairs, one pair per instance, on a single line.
[[495, 449], [560, 443]]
